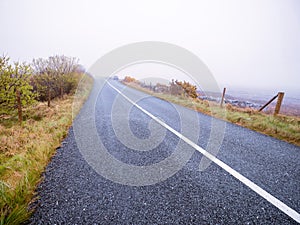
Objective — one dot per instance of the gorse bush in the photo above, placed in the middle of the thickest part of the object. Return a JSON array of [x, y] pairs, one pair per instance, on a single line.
[[183, 88], [15, 89]]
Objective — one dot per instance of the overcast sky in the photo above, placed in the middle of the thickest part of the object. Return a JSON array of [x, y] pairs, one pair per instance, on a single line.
[[248, 44]]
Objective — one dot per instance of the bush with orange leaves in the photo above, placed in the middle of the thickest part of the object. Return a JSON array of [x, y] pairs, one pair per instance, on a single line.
[[129, 79]]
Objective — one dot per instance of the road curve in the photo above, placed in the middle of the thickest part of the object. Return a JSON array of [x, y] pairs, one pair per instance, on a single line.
[[76, 191]]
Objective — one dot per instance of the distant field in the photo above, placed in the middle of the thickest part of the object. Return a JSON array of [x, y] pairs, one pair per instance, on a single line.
[[290, 105]]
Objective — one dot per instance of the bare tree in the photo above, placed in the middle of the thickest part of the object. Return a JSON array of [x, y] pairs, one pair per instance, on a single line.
[[54, 76], [44, 78], [63, 67]]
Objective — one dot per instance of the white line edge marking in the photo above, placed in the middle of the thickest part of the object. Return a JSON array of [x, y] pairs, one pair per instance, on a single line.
[[270, 198]]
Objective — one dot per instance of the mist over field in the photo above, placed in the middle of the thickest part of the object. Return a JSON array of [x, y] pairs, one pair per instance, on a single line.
[[245, 44], [153, 73]]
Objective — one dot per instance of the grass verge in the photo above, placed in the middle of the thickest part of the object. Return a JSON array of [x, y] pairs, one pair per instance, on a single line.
[[26, 149], [286, 128]]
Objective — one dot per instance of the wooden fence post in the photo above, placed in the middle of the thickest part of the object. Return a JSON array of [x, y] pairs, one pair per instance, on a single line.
[[223, 96], [269, 102], [279, 101]]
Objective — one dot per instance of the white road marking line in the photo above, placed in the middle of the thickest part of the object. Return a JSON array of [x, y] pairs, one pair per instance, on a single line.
[[270, 198]]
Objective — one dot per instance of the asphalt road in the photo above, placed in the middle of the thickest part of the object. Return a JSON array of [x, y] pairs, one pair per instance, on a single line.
[[119, 166]]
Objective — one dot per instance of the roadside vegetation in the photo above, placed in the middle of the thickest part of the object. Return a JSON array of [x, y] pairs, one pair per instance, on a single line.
[[283, 127], [36, 102]]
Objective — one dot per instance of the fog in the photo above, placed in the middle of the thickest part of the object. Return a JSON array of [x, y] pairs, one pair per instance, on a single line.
[[251, 44]]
